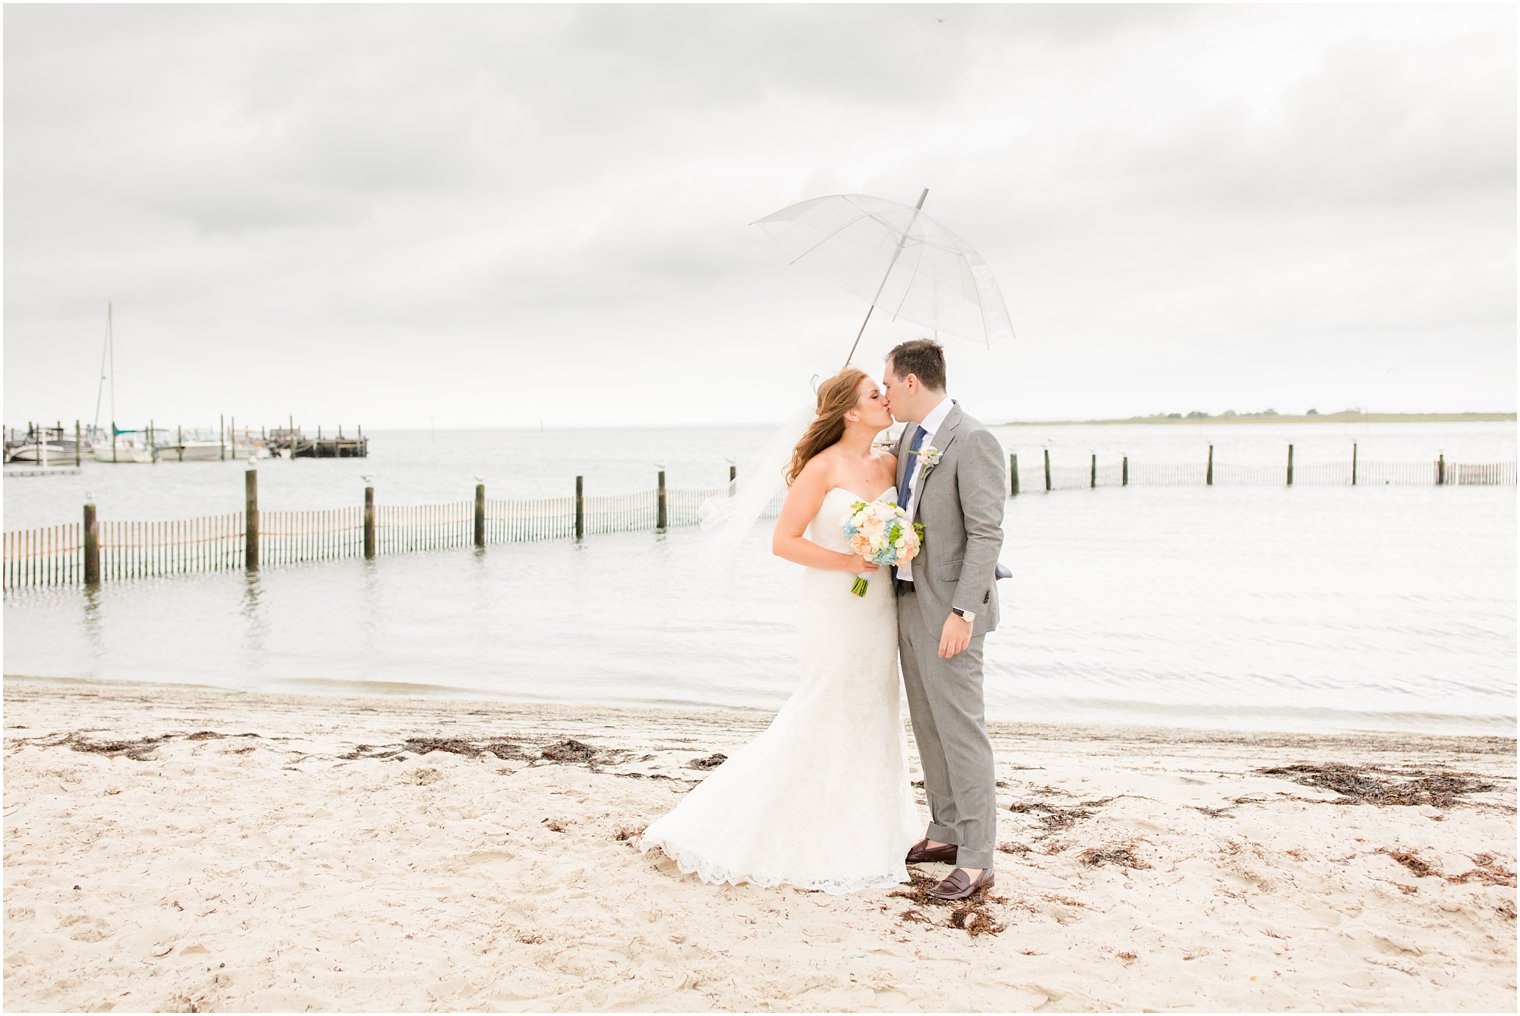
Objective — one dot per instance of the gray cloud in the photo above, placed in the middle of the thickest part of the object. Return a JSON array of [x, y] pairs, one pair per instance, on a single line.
[[344, 186]]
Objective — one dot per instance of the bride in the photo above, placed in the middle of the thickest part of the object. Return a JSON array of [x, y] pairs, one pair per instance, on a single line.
[[821, 799]]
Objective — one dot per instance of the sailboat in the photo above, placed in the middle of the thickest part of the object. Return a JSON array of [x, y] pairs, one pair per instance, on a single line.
[[119, 445]]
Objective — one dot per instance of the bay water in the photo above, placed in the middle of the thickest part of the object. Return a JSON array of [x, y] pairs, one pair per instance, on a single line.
[[1309, 608]]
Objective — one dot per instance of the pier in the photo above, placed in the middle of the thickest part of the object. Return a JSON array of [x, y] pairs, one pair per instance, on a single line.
[[298, 446]]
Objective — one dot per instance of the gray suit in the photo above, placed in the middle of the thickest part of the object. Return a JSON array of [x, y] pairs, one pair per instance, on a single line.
[[960, 503]]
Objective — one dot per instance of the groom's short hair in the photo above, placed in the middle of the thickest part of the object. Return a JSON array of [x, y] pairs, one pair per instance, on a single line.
[[923, 357]]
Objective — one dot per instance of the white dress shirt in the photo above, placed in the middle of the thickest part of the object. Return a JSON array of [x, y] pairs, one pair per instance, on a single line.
[[931, 422]]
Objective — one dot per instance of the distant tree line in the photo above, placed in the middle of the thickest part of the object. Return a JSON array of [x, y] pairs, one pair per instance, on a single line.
[[1199, 414]]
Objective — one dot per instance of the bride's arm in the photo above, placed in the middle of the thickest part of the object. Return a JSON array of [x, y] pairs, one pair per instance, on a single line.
[[803, 500]]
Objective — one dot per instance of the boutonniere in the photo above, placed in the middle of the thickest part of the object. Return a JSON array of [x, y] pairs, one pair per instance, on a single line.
[[928, 456]]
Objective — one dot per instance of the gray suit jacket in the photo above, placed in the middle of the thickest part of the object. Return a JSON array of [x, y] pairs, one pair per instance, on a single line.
[[960, 503]]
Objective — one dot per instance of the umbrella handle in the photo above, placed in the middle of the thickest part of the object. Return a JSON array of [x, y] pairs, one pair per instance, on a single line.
[[884, 278]]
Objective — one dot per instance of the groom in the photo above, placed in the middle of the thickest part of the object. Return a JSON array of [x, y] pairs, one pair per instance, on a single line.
[[950, 477]]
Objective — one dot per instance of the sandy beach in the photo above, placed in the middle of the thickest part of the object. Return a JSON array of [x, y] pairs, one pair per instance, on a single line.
[[191, 849]]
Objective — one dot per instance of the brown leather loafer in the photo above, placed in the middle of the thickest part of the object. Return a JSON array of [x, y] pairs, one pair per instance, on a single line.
[[922, 853], [959, 886]]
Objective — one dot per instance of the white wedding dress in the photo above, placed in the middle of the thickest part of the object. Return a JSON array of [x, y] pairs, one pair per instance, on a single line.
[[821, 799]]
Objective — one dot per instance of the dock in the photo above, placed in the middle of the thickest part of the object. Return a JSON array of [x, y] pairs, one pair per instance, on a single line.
[[291, 442], [331, 448], [39, 471]]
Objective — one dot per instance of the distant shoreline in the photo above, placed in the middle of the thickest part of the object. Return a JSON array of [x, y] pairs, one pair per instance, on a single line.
[[1245, 418]]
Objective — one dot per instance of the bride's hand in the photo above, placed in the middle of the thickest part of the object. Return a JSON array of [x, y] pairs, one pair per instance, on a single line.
[[860, 566]]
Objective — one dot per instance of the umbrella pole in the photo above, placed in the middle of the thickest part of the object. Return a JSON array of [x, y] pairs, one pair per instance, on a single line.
[[858, 335], [895, 255]]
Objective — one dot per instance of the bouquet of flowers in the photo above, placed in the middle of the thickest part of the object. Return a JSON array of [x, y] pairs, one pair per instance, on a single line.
[[879, 532]]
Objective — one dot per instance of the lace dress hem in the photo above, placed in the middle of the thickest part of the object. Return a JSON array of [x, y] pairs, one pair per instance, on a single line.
[[691, 864]]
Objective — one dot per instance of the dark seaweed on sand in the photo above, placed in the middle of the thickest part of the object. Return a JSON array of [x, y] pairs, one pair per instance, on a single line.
[[139, 750], [452, 745], [973, 916], [1372, 785], [1486, 870], [1053, 818], [1124, 856], [569, 750]]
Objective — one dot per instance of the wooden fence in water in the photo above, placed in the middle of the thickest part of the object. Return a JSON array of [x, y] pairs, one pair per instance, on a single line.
[[1040, 473], [95, 550]]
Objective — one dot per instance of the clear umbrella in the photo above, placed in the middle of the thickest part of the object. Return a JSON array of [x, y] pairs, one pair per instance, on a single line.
[[896, 258]]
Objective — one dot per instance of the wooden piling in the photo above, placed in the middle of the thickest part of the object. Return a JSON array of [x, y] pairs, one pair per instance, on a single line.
[[78, 451], [152, 445], [580, 507], [1125, 481], [1353, 463], [91, 546], [1441, 470], [1092, 482], [221, 435], [1290, 465], [480, 515], [369, 523], [251, 519], [1047, 469], [660, 508], [1209, 477], [733, 473], [1013, 476]]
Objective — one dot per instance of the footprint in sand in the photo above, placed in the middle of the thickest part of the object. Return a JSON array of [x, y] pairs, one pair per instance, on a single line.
[[91, 934], [486, 857]]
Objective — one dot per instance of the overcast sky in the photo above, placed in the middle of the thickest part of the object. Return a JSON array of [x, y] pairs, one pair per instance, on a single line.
[[492, 216]]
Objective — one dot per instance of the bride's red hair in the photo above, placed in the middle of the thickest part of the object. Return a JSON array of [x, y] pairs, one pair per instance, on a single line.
[[836, 396]]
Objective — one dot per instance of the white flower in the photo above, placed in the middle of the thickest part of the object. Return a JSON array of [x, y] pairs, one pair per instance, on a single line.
[[929, 455]]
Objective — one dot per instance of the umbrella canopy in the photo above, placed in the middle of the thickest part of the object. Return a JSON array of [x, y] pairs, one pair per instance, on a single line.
[[896, 258]]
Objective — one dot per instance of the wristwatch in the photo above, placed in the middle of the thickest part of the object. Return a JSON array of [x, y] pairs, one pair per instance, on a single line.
[[965, 615]]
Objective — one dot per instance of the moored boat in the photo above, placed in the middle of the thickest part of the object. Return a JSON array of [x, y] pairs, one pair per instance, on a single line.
[[129, 446]]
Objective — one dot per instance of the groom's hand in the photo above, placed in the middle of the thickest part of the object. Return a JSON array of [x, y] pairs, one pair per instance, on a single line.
[[955, 636]]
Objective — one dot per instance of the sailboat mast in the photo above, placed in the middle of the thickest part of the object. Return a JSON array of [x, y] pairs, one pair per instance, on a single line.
[[111, 345], [100, 387]]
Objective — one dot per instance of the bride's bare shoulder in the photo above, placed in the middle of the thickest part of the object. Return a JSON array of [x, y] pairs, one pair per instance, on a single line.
[[817, 471]]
